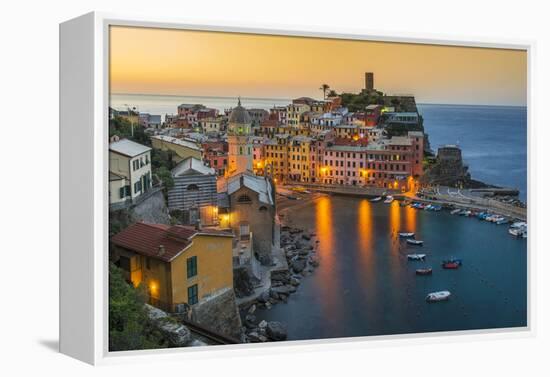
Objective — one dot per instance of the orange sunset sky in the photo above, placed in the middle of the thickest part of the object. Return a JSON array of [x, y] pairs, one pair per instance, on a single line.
[[181, 62]]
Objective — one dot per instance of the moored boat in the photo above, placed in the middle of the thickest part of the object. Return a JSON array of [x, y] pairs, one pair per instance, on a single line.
[[416, 256], [377, 199], [389, 199], [424, 271], [452, 260], [438, 296], [451, 265], [415, 242], [406, 235], [456, 211]]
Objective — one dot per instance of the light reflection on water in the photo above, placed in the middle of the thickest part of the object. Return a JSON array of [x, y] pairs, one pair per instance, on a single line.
[[366, 286]]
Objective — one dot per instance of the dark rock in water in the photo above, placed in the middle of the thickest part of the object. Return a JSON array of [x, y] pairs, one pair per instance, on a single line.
[[303, 252], [273, 294], [276, 331], [283, 290], [306, 237], [285, 228], [263, 297], [295, 282], [250, 318], [255, 337], [298, 244], [314, 261], [242, 282], [298, 265]]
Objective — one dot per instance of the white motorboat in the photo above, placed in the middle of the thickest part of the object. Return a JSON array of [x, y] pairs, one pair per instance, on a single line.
[[389, 199], [414, 242], [438, 296], [455, 211], [377, 199], [416, 256], [406, 235]]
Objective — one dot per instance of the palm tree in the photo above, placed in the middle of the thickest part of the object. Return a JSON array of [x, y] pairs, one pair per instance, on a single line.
[[324, 88]]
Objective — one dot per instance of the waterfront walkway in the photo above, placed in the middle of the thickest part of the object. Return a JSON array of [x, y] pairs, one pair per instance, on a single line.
[[346, 189], [467, 199]]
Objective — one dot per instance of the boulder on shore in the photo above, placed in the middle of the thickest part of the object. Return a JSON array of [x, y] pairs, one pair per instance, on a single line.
[[298, 265], [276, 331]]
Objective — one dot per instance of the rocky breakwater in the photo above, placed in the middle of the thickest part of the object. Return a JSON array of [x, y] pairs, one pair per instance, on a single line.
[[300, 250]]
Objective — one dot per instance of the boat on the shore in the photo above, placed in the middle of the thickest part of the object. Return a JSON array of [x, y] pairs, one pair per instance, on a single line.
[[438, 296], [424, 271], [416, 256], [377, 199], [415, 242], [389, 199], [406, 235]]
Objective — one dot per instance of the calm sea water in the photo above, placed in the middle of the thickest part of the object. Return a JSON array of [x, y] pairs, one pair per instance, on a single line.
[[162, 105], [493, 140], [366, 286]]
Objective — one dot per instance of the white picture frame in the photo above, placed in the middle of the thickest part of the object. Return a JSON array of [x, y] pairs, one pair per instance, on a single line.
[[84, 100]]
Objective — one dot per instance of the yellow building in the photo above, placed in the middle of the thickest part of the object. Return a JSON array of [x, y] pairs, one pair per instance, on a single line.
[[178, 265], [182, 148], [276, 156], [299, 160], [294, 112]]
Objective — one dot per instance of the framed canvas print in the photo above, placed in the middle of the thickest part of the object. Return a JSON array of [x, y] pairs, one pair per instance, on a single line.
[[245, 188]]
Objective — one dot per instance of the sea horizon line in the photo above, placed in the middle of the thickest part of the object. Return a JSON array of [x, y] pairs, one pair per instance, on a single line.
[[290, 99]]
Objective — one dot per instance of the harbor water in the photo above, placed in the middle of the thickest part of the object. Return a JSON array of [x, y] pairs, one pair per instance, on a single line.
[[366, 286]]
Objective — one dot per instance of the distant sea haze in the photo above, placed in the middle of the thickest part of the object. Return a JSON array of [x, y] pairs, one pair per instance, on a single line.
[[493, 138]]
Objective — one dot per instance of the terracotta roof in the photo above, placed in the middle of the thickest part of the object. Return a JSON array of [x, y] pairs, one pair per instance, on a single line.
[[146, 239]]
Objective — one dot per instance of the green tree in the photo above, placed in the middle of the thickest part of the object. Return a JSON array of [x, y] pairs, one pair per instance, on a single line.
[[129, 326]]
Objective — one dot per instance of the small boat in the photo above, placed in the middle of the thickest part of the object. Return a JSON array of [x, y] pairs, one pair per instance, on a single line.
[[416, 256], [377, 199], [452, 261], [455, 211], [482, 215], [292, 197], [451, 265], [406, 235], [502, 221], [415, 242], [424, 271], [465, 213], [389, 199], [438, 296], [437, 208], [519, 224]]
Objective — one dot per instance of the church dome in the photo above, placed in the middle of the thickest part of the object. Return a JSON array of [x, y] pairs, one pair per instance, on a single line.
[[239, 115]]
